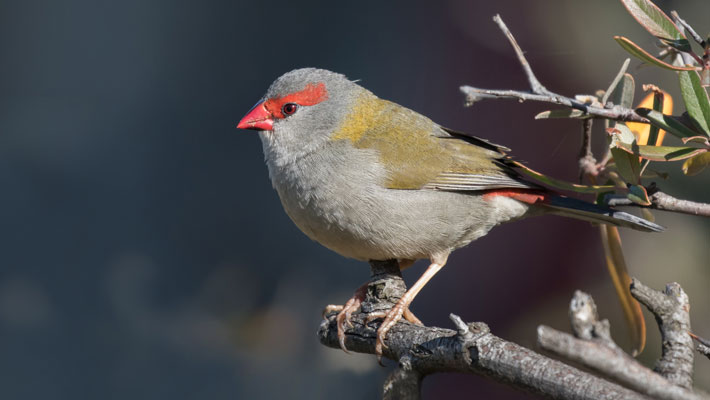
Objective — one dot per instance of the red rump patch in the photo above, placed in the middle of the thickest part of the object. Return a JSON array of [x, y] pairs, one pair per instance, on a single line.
[[310, 95], [522, 195]]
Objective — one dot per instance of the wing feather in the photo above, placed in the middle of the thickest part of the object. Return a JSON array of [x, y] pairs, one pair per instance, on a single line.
[[419, 154]]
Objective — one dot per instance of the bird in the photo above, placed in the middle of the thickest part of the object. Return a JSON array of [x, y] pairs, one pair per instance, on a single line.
[[373, 180]]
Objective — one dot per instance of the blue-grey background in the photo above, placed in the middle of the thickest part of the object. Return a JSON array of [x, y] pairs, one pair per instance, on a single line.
[[144, 255]]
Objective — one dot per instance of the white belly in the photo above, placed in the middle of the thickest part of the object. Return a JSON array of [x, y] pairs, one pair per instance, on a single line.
[[345, 207]]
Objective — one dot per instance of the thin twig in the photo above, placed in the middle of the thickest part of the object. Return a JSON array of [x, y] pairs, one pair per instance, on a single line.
[[665, 202], [540, 93], [616, 113], [686, 58], [535, 84], [587, 162], [688, 28]]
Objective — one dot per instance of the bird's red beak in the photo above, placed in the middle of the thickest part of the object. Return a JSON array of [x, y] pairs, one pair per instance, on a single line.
[[258, 119]]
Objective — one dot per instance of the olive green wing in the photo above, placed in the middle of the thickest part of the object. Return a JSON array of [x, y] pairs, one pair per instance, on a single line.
[[419, 154]]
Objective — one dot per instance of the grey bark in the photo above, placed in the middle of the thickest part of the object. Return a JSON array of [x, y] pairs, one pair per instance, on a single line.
[[672, 311], [471, 348], [593, 347]]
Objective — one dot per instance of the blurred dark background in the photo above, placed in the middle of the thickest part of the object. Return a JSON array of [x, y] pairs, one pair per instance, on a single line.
[[144, 254]]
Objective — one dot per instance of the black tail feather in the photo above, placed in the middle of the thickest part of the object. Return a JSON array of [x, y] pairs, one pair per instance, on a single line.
[[590, 212]]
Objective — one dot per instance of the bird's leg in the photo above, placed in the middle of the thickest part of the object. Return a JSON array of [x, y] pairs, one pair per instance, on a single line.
[[346, 311], [408, 315], [402, 306]]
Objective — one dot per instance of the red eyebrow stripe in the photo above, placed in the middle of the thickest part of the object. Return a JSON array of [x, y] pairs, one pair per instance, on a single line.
[[310, 95]]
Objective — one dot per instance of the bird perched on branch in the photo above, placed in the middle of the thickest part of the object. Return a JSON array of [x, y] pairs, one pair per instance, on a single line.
[[373, 180]]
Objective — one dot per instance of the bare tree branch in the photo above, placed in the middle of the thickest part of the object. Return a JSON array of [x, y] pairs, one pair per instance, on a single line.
[[535, 84], [613, 363], [593, 347], [540, 93], [616, 113], [665, 202], [672, 311], [403, 383], [585, 320], [472, 348]]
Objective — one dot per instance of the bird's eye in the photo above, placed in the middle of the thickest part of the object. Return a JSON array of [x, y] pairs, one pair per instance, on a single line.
[[289, 108]]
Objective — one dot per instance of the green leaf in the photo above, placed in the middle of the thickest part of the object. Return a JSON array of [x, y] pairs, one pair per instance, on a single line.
[[682, 45], [627, 164], [646, 57], [561, 185], [562, 113], [694, 165], [617, 79], [660, 153], [622, 95], [668, 123], [697, 139], [696, 100], [653, 19], [639, 195], [621, 133]]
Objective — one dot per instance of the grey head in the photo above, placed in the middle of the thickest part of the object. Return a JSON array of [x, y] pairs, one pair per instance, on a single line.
[[306, 105]]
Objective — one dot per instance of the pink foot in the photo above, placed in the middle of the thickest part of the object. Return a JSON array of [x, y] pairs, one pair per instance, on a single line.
[[345, 313]]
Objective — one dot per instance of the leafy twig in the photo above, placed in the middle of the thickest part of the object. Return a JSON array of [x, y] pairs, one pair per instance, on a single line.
[[616, 113], [540, 93]]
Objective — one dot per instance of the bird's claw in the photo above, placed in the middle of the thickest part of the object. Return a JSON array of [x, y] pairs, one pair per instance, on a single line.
[[345, 313], [390, 319]]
